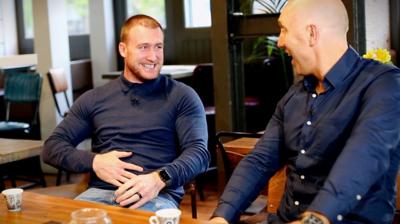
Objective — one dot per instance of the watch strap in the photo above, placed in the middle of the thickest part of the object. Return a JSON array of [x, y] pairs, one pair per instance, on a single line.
[[164, 176]]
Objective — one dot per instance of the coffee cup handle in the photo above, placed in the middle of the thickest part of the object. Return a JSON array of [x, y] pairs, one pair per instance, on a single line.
[[153, 220]]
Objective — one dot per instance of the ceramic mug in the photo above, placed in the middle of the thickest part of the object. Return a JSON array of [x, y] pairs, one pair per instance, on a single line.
[[14, 198], [166, 216]]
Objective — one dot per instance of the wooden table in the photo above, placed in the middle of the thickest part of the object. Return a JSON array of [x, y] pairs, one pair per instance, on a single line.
[[13, 150], [17, 149], [173, 71], [241, 145], [276, 184], [40, 209]]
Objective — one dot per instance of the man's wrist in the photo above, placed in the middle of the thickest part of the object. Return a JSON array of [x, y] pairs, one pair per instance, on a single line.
[[160, 183], [313, 218], [164, 176]]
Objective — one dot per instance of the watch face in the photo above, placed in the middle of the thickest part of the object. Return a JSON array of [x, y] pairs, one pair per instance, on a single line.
[[164, 176], [312, 219]]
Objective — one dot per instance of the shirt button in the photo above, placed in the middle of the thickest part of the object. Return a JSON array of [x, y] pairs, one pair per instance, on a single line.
[[302, 177], [314, 95], [339, 217], [296, 202], [308, 123], [303, 151], [358, 197]]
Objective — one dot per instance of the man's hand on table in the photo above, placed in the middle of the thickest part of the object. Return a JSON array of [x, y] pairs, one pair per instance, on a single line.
[[139, 190], [111, 169]]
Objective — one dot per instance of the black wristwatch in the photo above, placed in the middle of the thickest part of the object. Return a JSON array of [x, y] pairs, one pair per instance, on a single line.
[[164, 176], [311, 219]]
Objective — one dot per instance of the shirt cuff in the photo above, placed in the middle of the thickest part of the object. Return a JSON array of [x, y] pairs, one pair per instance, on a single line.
[[227, 212], [329, 206]]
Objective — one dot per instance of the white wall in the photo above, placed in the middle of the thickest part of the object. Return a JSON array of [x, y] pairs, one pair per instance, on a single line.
[[377, 24], [52, 47], [2, 44]]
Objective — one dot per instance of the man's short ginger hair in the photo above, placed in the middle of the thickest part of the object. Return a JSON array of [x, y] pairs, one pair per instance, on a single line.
[[140, 19]]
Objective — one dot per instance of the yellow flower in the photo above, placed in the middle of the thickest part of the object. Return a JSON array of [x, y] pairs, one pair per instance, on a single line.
[[379, 54]]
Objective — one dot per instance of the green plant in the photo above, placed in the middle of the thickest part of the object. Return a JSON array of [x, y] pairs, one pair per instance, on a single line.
[[265, 48], [264, 6]]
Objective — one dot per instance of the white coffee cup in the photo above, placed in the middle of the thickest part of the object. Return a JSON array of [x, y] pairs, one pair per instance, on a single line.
[[166, 216], [13, 197]]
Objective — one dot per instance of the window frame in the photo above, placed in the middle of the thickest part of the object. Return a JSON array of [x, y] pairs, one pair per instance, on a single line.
[[175, 33], [79, 45], [395, 28]]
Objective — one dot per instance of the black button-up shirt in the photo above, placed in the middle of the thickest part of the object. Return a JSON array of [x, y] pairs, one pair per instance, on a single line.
[[341, 147]]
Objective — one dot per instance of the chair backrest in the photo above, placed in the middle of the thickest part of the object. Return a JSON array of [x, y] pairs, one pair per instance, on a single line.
[[23, 88], [58, 84], [228, 160], [202, 83]]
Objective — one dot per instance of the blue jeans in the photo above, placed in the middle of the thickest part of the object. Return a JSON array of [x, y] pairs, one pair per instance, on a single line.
[[107, 197]]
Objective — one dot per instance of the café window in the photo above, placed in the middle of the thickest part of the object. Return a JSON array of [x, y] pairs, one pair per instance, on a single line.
[[197, 13], [28, 18], [153, 8], [77, 17], [77, 13]]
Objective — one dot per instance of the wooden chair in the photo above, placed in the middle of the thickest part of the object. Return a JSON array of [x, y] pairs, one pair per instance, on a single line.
[[59, 85], [191, 188], [270, 197]]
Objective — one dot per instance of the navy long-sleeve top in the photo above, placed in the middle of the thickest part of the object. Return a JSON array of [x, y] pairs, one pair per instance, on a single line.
[[161, 121], [341, 147]]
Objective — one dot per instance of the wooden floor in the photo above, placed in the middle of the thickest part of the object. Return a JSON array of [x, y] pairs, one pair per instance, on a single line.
[[71, 189]]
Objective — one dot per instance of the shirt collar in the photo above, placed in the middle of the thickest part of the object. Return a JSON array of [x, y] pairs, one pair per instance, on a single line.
[[337, 74], [144, 88]]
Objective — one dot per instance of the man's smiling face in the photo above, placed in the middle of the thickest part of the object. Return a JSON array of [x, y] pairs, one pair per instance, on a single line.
[[143, 52]]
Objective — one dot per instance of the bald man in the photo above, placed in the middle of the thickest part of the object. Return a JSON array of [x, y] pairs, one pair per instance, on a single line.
[[337, 130]]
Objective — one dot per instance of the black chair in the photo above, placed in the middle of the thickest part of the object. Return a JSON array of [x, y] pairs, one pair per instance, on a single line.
[[203, 84], [59, 85], [227, 161], [21, 88]]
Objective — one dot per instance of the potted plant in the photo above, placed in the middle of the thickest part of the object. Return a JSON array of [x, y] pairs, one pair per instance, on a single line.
[[262, 6]]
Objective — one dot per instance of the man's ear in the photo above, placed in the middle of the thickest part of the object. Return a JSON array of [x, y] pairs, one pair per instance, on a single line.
[[122, 49], [312, 35]]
